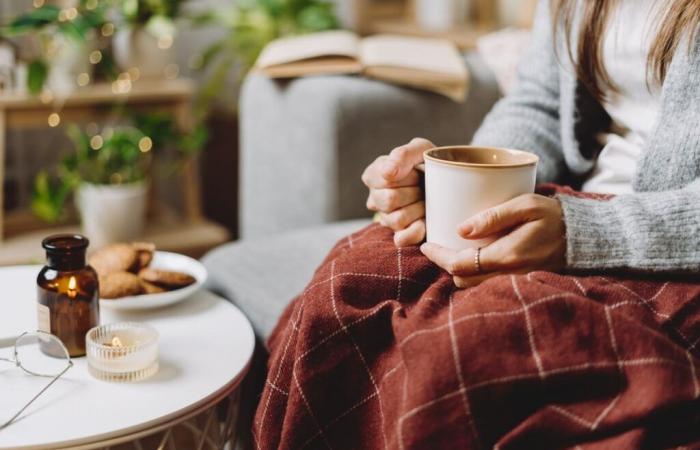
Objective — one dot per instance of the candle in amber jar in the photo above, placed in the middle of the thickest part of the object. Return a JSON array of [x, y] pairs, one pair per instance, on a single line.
[[68, 292]]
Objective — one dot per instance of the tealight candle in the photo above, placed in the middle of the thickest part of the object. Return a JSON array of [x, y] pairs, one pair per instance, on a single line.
[[125, 351]]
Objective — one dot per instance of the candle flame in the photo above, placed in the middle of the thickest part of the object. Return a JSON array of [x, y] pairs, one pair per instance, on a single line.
[[72, 284], [116, 342]]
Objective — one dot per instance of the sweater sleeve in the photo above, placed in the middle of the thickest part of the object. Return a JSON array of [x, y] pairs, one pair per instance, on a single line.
[[651, 231], [528, 117]]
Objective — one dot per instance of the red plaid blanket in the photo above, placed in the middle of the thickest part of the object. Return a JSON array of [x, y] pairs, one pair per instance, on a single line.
[[381, 351]]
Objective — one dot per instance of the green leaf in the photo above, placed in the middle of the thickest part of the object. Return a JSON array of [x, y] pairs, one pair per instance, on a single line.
[[34, 19], [36, 76], [49, 198], [317, 18], [210, 53], [72, 30]]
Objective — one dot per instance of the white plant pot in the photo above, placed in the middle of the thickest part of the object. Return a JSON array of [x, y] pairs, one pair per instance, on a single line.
[[138, 47], [441, 15], [67, 58], [112, 213]]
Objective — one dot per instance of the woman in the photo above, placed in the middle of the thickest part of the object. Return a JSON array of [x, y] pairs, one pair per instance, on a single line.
[[381, 350], [609, 98]]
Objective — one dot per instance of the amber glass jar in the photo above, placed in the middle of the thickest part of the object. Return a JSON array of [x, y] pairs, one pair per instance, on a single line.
[[68, 292]]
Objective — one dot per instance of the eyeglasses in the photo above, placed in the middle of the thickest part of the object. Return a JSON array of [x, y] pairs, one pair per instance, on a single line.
[[42, 355]]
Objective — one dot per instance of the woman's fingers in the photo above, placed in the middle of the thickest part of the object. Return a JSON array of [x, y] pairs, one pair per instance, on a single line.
[[453, 262], [502, 217], [463, 263], [402, 218], [412, 235], [389, 200], [402, 160], [373, 177]]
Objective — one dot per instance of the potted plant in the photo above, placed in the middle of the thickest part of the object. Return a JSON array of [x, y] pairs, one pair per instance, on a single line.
[[109, 175], [145, 40], [59, 36]]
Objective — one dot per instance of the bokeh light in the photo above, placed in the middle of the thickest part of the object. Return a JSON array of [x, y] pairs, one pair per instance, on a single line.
[[96, 142], [165, 42], [145, 144], [95, 56], [107, 29], [83, 79], [116, 178], [46, 96], [134, 73], [54, 120], [122, 85]]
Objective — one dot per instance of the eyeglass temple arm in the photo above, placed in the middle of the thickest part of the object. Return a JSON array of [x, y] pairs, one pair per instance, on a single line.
[[4, 425]]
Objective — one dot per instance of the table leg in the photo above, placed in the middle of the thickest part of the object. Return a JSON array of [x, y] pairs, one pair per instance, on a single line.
[[191, 186], [206, 431]]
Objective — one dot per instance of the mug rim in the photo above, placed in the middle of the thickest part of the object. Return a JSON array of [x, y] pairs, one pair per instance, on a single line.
[[533, 159]]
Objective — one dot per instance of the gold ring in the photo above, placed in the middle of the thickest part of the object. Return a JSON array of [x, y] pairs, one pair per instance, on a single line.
[[477, 260]]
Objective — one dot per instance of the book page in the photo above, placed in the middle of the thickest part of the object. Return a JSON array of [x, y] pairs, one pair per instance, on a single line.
[[312, 46], [429, 56]]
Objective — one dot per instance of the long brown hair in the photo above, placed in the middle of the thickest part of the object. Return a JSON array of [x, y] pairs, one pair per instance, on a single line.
[[679, 18]]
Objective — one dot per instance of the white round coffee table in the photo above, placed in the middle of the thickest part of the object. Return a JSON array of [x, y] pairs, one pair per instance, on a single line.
[[206, 345]]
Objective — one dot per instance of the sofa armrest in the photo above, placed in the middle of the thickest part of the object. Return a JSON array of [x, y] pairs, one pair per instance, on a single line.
[[305, 142]]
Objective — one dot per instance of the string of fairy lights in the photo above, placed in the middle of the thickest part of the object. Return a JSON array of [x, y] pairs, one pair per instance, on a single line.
[[121, 85]]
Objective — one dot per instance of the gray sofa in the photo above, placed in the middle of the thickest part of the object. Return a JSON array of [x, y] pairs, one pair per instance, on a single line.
[[304, 145]]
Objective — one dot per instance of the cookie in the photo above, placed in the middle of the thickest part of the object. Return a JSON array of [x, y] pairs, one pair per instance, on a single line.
[[150, 288], [120, 284], [114, 258], [144, 251], [166, 278]]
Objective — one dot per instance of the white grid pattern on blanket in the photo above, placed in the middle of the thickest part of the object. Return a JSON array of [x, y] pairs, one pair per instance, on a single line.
[[458, 370], [359, 353], [463, 389]]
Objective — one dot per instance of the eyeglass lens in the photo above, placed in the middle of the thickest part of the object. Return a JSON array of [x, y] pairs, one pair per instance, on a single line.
[[41, 354]]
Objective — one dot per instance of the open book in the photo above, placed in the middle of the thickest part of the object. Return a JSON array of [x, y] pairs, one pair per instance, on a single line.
[[431, 64]]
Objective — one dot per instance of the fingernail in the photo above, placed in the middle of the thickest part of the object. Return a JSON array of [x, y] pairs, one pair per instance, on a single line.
[[423, 247]]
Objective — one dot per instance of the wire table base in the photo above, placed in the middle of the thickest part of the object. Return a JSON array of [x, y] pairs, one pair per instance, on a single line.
[[212, 429]]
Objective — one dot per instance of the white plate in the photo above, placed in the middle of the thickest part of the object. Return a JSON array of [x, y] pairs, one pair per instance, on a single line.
[[165, 261]]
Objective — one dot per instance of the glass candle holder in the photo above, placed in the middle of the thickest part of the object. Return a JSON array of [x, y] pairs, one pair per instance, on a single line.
[[123, 352], [68, 293]]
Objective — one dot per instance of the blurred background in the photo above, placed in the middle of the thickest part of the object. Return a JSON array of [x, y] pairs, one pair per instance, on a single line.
[[123, 115]]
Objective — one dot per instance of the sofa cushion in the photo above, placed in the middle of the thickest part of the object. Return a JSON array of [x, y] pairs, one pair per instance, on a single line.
[[261, 276]]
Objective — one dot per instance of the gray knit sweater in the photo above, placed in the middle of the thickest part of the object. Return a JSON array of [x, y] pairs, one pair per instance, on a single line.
[[657, 228]]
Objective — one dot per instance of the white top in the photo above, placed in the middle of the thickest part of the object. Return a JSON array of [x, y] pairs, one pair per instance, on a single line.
[[205, 346], [635, 107]]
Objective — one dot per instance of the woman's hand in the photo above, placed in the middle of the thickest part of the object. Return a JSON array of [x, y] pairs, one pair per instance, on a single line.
[[395, 192], [533, 237]]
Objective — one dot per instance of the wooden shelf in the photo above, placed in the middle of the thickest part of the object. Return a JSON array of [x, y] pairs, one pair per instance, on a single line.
[[191, 238], [191, 235], [143, 90]]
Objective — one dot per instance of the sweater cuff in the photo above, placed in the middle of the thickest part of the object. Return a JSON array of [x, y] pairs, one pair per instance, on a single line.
[[595, 236]]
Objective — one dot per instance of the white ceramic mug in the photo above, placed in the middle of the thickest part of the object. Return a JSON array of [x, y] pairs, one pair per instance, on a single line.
[[462, 181]]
